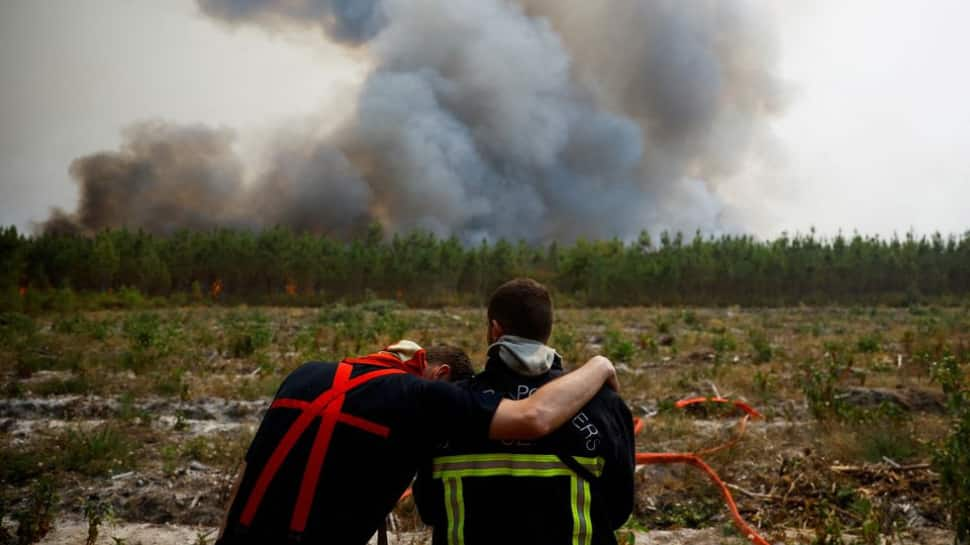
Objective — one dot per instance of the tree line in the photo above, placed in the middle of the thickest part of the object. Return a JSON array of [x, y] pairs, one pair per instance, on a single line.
[[280, 266]]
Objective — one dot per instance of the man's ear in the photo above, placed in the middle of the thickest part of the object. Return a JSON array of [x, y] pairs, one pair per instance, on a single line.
[[495, 331], [442, 372]]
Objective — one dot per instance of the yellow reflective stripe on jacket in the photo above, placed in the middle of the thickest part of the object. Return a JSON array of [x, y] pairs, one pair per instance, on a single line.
[[452, 469], [454, 508], [470, 464]]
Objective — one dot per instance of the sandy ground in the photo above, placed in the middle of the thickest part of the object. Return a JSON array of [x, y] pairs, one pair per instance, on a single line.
[[74, 532]]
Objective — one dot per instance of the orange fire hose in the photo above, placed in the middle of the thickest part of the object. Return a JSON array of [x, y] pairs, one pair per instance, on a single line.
[[694, 459], [748, 409]]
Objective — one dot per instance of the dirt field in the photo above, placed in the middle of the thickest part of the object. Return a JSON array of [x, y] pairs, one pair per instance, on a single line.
[[139, 419]]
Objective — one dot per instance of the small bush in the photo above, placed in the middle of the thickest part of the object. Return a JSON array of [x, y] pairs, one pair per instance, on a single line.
[[764, 385], [143, 330], [617, 348], [36, 519], [95, 511], [18, 464], [819, 383], [172, 384], [14, 325], [884, 432], [724, 343], [869, 343], [648, 344], [63, 300], [952, 457], [690, 318], [763, 351], [828, 529], [97, 451], [72, 325], [391, 326], [565, 341], [245, 334], [131, 298]]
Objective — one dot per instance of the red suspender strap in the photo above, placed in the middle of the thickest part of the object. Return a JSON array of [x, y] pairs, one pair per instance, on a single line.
[[319, 452], [329, 405]]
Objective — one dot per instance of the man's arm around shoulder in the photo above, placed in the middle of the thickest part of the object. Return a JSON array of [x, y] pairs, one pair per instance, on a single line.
[[553, 404]]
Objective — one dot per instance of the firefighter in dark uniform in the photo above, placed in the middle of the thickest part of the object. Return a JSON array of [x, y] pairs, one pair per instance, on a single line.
[[573, 487], [342, 441]]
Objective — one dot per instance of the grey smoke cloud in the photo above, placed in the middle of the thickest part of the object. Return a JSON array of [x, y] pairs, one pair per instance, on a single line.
[[542, 120], [163, 178], [351, 21]]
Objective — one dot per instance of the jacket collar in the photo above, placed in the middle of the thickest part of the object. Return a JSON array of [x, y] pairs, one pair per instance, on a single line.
[[522, 356]]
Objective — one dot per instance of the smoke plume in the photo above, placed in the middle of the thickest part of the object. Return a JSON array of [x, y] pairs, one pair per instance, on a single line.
[[534, 119]]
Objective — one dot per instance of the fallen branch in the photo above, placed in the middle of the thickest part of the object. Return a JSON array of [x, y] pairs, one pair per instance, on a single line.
[[877, 468], [760, 496]]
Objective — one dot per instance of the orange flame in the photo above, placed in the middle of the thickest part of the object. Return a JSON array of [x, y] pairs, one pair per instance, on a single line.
[[216, 288], [291, 287]]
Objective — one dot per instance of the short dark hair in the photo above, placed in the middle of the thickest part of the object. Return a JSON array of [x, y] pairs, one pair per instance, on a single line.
[[523, 308], [454, 357]]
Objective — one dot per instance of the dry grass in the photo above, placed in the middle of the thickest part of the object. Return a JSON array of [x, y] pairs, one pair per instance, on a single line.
[[152, 372]]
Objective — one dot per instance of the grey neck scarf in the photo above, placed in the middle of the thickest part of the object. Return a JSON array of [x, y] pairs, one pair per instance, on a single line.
[[525, 356]]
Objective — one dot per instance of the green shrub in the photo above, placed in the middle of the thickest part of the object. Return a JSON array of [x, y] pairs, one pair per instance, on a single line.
[[828, 530], [690, 318], [819, 383], [72, 325], [171, 384], [764, 385], [143, 330], [36, 519], [648, 344], [79, 325], [763, 352], [952, 457], [245, 334], [391, 326], [869, 343], [97, 451], [616, 347], [131, 298], [14, 325], [566, 343], [18, 464], [884, 432], [724, 343], [63, 300], [95, 511]]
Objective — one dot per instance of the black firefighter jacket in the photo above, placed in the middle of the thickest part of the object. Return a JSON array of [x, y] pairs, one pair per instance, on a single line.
[[574, 487]]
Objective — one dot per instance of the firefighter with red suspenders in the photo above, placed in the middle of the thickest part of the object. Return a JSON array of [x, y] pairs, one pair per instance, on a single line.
[[342, 441]]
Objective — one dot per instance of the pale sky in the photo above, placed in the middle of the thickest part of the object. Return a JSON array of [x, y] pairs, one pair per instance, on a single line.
[[876, 137]]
